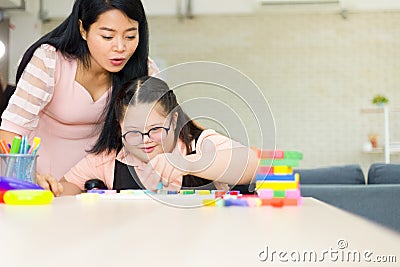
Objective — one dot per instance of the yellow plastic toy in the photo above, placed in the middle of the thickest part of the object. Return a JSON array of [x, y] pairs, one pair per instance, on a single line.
[[28, 197]]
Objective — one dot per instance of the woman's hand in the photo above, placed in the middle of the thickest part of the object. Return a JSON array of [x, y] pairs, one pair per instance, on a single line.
[[48, 182], [166, 168]]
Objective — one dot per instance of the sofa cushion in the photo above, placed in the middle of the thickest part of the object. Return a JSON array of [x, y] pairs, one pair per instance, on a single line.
[[347, 174], [374, 202], [380, 173]]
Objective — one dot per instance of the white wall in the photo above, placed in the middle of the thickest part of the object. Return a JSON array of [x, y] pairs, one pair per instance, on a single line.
[[371, 4], [4, 38], [60, 9], [57, 9], [26, 29], [28, 26]]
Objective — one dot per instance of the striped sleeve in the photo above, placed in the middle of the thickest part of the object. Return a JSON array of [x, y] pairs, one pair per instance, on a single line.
[[34, 91]]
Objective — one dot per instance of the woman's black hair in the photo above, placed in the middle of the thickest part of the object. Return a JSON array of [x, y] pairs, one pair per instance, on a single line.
[[67, 39], [148, 90]]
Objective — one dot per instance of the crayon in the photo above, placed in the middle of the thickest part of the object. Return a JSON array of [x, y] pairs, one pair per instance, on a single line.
[[4, 147], [36, 143], [15, 145]]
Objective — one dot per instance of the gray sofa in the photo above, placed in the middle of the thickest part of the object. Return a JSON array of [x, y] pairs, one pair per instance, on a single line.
[[378, 199]]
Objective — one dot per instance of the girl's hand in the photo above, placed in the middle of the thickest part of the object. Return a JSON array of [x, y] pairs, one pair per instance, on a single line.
[[166, 168], [48, 182]]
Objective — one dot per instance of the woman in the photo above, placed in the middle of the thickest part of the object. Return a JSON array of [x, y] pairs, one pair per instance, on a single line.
[[152, 140], [68, 80]]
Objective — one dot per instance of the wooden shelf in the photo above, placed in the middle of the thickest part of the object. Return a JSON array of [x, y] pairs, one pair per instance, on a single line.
[[372, 110], [381, 150], [385, 111], [378, 150], [379, 109]]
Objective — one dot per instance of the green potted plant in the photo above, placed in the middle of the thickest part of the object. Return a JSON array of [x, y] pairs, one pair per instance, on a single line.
[[380, 100]]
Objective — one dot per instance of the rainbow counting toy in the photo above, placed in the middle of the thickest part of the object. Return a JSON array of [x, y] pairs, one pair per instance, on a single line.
[[276, 183]]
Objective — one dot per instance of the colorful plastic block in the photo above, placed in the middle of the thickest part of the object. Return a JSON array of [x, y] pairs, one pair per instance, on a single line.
[[270, 154], [293, 194], [88, 197], [236, 202], [227, 196], [276, 185], [279, 162], [254, 202], [265, 193], [219, 202], [137, 192], [280, 170], [279, 185], [162, 192], [209, 202], [277, 202], [272, 177], [279, 193], [280, 154], [203, 192], [99, 191], [292, 202], [248, 196], [186, 192], [219, 193]]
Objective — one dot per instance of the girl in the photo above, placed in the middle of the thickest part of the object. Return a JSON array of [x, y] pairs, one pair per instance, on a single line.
[[151, 140], [68, 80]]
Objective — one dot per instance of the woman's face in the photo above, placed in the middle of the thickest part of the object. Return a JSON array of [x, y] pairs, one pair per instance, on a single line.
[[143, 118], [112, 40]]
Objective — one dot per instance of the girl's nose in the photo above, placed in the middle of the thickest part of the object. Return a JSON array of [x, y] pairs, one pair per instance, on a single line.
[[146, 139], [119, 45]]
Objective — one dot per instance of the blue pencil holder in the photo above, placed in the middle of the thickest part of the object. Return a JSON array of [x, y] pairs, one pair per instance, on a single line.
[[19, 166]]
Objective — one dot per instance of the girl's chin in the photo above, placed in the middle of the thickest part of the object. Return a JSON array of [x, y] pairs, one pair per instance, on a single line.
[[146, 157]]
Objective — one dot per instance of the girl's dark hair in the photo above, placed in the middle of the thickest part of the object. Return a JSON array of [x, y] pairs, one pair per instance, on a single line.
[[147, 90], [67, 39]]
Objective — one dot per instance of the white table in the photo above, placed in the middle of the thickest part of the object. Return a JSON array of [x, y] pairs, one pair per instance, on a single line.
[[117, 233]]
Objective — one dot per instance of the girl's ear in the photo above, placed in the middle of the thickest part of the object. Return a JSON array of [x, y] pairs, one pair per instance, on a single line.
[[82, 30], [175, 119]]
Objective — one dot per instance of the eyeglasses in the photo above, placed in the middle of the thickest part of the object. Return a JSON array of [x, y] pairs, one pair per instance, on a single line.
[[156, 134]]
